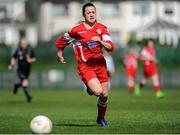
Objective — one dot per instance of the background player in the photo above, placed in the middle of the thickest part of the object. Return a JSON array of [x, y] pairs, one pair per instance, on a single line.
[[130, 66], [148, 56], [88, 39], [24, 56]]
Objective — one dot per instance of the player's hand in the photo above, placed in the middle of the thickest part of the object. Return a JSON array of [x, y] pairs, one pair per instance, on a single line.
[[28, 59], [154, 59], [95, 38], [10, 67], [60, 58]]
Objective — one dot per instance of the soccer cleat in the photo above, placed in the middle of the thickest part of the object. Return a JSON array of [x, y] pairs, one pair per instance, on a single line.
[[160, 94], [29, 98], [137, 91], [102, 122], [89, 91], [15, 89]]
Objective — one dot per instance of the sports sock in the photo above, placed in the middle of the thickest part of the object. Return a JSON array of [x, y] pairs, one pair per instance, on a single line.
[[156, 88], [17, 85], [141, 84], [131, 88], [26, 93], [102, 107]]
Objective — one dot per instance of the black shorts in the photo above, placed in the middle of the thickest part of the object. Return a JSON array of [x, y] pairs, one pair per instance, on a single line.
[[23, 75]]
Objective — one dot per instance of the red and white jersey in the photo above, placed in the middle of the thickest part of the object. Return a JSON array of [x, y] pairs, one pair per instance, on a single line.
[[130, 61], [82, 39], [148, 53]]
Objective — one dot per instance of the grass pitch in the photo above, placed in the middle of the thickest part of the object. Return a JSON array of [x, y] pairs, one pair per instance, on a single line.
[[73, 111]]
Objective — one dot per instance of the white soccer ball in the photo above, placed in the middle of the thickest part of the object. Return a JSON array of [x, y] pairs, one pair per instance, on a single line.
[[41, 125]]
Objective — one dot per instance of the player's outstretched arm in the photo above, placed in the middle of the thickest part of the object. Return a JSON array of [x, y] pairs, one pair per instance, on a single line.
[[60, 57], [12, 63]]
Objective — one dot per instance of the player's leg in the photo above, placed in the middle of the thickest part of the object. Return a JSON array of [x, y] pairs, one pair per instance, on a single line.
[[19, 84], [147, 75], [132, 87], [16, 87], [156, 84], [102, 104], [100, 90], [130, 84], [143, 82], [95, 87], [25, 84]]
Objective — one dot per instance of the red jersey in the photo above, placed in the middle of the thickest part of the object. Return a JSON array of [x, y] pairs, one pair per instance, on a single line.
[[148, 53], [149, 66], [130, 61], [82, 39]]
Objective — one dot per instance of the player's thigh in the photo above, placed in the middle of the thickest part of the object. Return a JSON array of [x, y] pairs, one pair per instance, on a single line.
[[95, 85]]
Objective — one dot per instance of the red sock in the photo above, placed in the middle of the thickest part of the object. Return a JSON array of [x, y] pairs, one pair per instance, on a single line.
[[131, 88], [157, 88], [141, 84], [101, 111]]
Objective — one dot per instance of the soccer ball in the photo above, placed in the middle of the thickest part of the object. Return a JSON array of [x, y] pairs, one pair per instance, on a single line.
[[41, 125]]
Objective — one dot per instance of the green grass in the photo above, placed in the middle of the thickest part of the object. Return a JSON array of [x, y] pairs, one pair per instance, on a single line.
[[72, 111]]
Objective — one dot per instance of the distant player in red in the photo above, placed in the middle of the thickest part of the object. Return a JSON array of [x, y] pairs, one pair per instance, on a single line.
[[148, 56], [130, 66], [88, 39]]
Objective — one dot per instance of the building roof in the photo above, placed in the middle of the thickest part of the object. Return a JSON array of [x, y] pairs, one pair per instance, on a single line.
[[161, 24]]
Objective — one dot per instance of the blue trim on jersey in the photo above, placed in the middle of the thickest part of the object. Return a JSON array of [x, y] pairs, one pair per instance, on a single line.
[[92, 43]]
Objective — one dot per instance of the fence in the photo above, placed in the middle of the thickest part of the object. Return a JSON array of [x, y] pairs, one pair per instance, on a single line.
[[60, 80], [65, 76]]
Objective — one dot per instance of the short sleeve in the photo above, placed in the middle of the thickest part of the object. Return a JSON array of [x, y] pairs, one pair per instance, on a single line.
[[106, 35], [15, 55]]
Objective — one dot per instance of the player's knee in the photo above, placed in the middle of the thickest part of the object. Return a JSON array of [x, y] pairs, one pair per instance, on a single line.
[[98, 93], [105, 93], [25, 83], [102, 93], [156, 82], [130, 83]]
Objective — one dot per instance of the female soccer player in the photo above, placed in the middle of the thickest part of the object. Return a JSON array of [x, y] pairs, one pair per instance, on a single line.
[[88, 39], [130, 66], [148, 56], [24, 56]]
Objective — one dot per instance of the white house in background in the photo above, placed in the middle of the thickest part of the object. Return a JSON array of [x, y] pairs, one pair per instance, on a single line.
[[121, 17], [13, 20]]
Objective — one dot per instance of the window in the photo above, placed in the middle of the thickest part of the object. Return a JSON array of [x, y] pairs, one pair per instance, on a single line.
[[110, 10], [168, 10], [141, 8], [2, 12], [59, 10]]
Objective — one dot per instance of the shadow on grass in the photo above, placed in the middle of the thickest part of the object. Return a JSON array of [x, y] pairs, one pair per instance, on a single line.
[[76, 125]]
